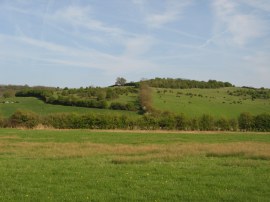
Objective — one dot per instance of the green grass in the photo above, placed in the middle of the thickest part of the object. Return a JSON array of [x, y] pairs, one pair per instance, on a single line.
[[38, 106], [82, 165], [126, 98], [215, 102]]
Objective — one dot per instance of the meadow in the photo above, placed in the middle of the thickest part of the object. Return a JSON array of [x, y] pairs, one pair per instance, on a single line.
[[85, 165], [215, 102], [41, 108]]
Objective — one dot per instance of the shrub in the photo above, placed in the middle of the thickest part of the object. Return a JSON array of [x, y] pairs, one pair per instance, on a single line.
[[206, 122], [181, 122], [26, 119], [262, 122], [246, 121], [222, 124], [2, 124]]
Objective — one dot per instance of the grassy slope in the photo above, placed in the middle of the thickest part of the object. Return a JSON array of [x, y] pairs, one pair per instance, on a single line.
[[212, 104], [129, 98], [80, 165], [40, 107]]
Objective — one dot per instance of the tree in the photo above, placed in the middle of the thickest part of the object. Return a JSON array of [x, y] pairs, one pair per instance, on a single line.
[[120, 81]]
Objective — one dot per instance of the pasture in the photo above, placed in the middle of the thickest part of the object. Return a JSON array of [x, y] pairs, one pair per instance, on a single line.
[[215, 102], [84, 165]]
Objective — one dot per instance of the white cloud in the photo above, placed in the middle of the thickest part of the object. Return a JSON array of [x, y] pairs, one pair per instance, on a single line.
[[172, 12], [25, 48], [81, 17], [241, 26], [138, 45]]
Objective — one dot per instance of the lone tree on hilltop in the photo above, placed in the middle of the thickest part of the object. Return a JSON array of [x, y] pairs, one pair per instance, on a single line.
[[120, 81]]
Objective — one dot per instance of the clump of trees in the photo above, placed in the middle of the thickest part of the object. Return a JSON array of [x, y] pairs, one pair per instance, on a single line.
[[185, 83], [120, 81]]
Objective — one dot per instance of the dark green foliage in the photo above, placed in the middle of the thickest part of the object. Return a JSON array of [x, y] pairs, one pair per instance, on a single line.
[[246, 121], [181, 122], [123, 106], [262, 122], [185, 83], [167, 121], [23, 119], [82, 97], [223, 124], [149, 121], [2, 122], [206, 122]]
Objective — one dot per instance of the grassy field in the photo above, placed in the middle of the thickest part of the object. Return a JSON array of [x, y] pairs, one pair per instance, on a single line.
[[215, 102], [126, 98], [81, 165], [38, 106]]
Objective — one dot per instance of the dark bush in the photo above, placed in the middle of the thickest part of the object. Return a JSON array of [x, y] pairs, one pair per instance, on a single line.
[[262, 122], [246, 121], [206, 122], [222, 124]]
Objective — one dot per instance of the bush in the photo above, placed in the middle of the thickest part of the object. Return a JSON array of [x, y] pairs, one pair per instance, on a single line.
[[222, 124], [23, 119], [246, 121], [167, 121], [262, 122], [2, 122], [181, 122], [206, 122]]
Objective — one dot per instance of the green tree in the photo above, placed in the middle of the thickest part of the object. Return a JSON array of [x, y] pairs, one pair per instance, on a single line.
[[262, 122], [120, 81]]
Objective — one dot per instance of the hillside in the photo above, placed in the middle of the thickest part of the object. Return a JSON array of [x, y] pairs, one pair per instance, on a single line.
[[216, 102], [178, 96]]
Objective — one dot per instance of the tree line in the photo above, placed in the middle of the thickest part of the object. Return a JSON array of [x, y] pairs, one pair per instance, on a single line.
[[161, 121], [185, 83]]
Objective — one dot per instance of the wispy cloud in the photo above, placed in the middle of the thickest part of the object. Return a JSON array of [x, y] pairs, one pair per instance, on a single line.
[[172, 13], [243, 27], [81, 17]]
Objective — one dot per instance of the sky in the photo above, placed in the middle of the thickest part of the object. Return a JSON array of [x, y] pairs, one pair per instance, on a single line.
[[79, 43]]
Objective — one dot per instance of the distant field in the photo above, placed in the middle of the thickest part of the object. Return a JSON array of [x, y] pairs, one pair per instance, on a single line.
[[38, 106], [81, 165], [215, 102]]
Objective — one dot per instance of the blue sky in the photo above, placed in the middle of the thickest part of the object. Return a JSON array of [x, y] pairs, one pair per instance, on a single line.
[[91, 42]]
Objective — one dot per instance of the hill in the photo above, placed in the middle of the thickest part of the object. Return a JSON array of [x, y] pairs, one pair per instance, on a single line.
[[212, 105], [222, 102]]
